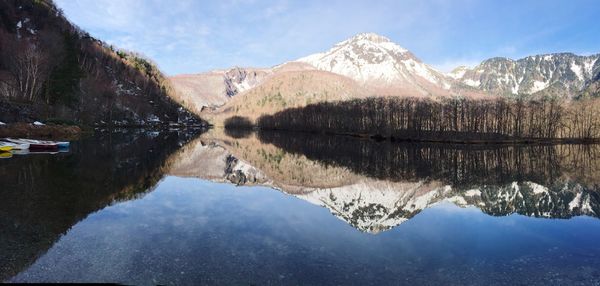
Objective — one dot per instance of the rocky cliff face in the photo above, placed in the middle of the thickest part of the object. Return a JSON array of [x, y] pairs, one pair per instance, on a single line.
[[215, 88], [562, 75]]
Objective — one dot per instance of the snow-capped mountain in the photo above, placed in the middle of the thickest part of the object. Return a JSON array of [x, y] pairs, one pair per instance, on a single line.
[[563, 75], [377, 66], [371, 58]]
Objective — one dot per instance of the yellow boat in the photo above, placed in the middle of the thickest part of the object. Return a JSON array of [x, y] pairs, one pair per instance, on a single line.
[[4, 155], [6, 147]]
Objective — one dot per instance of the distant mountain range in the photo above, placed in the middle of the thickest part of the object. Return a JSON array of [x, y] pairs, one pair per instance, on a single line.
[[372, 65], [560, 75]]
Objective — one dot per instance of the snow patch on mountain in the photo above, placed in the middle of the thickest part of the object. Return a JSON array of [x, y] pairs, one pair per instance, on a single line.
[[472, 83], [538, 86], [537, 188], [589, 66], [473, 193], [577, 70]]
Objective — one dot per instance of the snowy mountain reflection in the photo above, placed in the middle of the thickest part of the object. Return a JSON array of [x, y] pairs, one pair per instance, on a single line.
[[375, 186]]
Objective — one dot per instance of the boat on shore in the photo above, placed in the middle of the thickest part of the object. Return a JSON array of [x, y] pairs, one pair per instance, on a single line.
[[16, 145], [36, 144], [63, 144], [6, 147]]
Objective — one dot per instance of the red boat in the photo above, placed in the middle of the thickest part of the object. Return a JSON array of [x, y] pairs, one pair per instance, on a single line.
[[36, 144]]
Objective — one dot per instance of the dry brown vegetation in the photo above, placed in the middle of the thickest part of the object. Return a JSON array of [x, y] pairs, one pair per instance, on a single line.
[[25, 130], [287, 90]]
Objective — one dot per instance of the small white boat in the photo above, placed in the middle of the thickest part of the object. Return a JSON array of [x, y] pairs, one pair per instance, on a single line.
[[17, 145]]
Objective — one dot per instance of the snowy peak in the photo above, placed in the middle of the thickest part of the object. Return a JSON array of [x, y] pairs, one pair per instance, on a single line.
[[371, 58], [367, 40], [372, 37]]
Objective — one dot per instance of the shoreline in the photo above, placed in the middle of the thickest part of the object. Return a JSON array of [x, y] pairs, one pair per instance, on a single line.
[[49, 131], [380, 138], [72, 132]]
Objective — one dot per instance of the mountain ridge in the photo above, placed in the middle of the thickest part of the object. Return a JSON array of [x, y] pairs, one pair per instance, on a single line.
[[380, 67], [564, 75]]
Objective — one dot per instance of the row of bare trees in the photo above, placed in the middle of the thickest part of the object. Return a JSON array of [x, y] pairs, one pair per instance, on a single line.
[[445, 119], [27, 67]]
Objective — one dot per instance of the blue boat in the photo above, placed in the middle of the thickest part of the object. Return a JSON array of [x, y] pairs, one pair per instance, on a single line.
[[62, 144]]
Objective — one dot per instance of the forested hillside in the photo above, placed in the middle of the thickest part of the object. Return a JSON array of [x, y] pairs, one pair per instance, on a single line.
[[52, 70]]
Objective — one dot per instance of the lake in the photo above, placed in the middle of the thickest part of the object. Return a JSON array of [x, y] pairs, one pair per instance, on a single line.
[[279, 208]]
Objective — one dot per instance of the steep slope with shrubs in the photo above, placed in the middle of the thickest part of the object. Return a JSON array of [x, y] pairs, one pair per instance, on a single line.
[[52, 70]]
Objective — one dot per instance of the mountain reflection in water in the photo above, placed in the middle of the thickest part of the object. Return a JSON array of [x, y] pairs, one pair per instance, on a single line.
[[92, 204], [375, 186]]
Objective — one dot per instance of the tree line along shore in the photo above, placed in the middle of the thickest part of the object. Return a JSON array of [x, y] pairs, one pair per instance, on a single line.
[[442, 119]]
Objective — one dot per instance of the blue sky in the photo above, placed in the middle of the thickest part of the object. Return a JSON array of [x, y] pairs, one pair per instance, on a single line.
[[190, 36]]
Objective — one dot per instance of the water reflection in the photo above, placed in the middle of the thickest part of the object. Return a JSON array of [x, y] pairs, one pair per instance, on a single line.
[[195, 232], [44, 195], [459, 165], [256, 208], [375, 186]]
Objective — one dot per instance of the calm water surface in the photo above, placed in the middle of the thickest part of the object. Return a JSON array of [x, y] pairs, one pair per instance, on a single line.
[[141, 207]]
